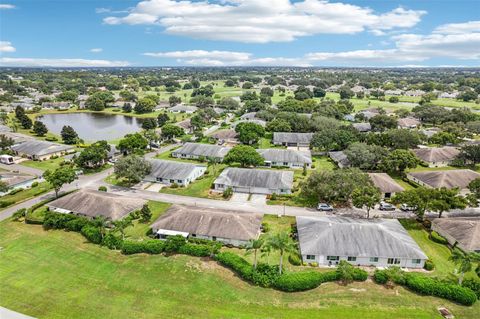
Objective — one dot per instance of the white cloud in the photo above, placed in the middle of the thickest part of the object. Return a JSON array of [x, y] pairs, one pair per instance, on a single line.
[[6, 6], [6, 46], [458, 28], [33, 62], [202, 54], [263, 21], [96, 50]]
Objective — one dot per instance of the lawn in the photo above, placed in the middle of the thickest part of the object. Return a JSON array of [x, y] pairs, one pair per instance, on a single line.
[[56, 274], [113, 180], [50, 164], [139, 230], [25, 194]]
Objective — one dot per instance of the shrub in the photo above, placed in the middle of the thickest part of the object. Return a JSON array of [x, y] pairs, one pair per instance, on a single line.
[[174, 243], [112, 241], [359, 274], [92, 234], [294, 259], [19, 214], [236, 263], [429, 265], [438, 238], [266, 227], [200, 250], [34, 184], [15, 191], [429, 286], [174, 185], [265, 275], [152, 246], [314, 264], [473, 284], [102, 188], [227, 193], [76, 224], [380, 277], [53, 220], [6, 203], [273, 196], [304, 280]]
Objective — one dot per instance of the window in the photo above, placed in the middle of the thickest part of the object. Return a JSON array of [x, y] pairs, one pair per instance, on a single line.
[[310, 257], [393, 261], [350, 258], [214, 238], [374, 259], [194, 235], [416, 261], [333, 258]]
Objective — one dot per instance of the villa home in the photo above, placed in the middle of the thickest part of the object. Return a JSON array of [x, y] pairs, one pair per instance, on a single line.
[[41, 150], [457, 178], [182, 108], [286, 158], [198, 150], [255, 181], [340, 158], [362, 242], [226, 226], [387, 186], [462, 232], [408, 123], [437, 156], [16, 181], [171, 172], [56, 105], [292, 139], [92, 203]]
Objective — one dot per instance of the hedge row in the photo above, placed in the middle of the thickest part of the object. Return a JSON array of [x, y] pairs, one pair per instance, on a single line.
[[172, 245], [473, 284], [427, 286], [304, 280], [436, 237]]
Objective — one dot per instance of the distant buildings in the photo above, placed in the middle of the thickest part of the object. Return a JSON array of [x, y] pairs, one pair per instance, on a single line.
[[286, 158], [372, 242], [171, 172], [457, 178], [292, 139], [437, 156], [198, 150], [41, 150], [182, 108], [387, 186]]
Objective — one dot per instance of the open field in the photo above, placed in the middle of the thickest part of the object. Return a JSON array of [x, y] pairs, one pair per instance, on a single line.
[[56, 274]]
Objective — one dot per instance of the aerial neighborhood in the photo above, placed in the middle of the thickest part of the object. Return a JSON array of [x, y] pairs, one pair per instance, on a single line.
[[287, 178]]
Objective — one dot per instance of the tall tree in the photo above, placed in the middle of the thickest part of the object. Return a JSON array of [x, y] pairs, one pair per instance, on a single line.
[[282, 243], [464, 261], [245, 155], [254, 245], [366, 197], [397, 161], [59, 177], [69, 136], [121, 225], [39, 128], [133, 168]]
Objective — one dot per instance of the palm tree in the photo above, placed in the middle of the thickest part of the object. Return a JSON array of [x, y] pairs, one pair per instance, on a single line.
[[254, 245], [101, 223], [464, 261], [121, 225], [283, 243]]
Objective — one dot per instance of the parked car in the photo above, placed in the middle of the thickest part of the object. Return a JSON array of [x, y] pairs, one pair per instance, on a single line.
[[387, 206], [324, 207], [407, 208]]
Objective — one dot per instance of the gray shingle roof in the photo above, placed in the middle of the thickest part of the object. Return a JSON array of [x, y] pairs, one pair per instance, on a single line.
[[95, 203], [288, 156], [342, 236], [198, 149], [39, 148], [340, 158], [385, 183], [446, 178], [284, 137], [436, 154], [249, 116], [362, 127], [208, 222], [261, 178], [171, 169], [466, 231], [183, 108]]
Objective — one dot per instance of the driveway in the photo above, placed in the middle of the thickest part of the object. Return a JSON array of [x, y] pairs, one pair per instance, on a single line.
[[258, 199], [239, 197]]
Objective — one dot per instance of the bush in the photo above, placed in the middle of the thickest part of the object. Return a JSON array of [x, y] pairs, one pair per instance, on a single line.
[[201, 250], [112, 241], [102, 188], [174, 243], [380, 277], [304, 280], [6, 203], [434, 236], [473, 284], [429, 265], [236, 263], [265, 275], [429, 286], [359, 274], [15, 191], [19, 214], [273, 196], [174, 185], [294, 259], [152, 246], [76, 224], [227, 193], [34, 184], [92, 234], [53, 220], [266, 227]]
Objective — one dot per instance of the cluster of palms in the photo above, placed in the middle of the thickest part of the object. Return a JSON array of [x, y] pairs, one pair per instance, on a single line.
[[120, 225], [281, 242], [465, 262]]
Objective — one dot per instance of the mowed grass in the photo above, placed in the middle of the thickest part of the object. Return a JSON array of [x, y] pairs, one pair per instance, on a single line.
[[56, 274], [140, 230], [50, 164], [26, 194]]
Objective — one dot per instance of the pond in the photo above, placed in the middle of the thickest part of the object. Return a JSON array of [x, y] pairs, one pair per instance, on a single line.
[[92, 127]]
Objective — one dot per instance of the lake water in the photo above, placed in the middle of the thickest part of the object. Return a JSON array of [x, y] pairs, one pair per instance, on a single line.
[[92, 127]]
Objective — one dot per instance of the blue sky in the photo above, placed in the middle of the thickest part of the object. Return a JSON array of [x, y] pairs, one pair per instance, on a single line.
[[239, 33]]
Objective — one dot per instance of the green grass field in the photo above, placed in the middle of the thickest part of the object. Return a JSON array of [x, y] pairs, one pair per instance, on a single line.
[[56, 274], [25, 194], [50, 164]]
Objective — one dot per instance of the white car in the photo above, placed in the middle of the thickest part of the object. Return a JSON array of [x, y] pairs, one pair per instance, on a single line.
[[324, 207]]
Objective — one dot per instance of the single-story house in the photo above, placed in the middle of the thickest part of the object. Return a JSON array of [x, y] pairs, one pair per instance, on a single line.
[[408, 122], [362, 127], [292, 139], [256, 121], [41, 150], [186, 125], [363, 242], [249, 116], [340, 158], [457, 178], [387, 186], [197, 150], [182, 108], [92, 203], [170, 172], [462, 232], [16, 181], [437, 156], [226, 226], [225, 136], [56, 105], [288, 158], [255, 181]]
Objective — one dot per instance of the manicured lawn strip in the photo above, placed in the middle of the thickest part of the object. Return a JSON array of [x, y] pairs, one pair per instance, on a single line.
[[26, 194], [113, 180], [56, 274], [139, 230], [50, 164]]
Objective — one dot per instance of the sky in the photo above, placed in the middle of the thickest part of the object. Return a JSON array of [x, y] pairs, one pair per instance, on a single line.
[[344, 33]]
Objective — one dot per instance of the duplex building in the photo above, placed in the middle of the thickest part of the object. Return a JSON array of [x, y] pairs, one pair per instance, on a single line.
[[387, 186], [171, 172], [286, 158], [229, 227], [255, 181], [182, 108], [198, 150], [457, 178], [292, 139], [41, 150], [462, 232], [437, 156], [362, 242]]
